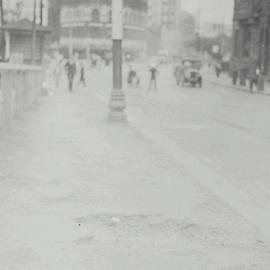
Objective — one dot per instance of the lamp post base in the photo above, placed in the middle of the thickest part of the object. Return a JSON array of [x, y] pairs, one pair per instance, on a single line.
[[117, 106]]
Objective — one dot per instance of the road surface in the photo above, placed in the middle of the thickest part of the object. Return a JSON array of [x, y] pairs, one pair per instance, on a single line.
[[183, 185]]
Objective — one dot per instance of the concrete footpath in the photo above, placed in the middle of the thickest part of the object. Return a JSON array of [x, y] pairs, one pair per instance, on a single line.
[[225, 81], [80, 193]]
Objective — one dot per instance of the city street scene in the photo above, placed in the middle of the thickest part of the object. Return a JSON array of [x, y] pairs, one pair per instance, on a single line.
[[134, 134]]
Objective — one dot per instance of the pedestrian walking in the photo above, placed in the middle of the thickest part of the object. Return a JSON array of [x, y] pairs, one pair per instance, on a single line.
[[133, 78], [179, 74], [218, 69], [82, 75], [57, 73], [153, 78], [70, 67], [96, 61], [253, 77]]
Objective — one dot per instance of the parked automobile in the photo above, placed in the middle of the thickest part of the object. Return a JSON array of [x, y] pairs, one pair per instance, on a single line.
[[191, 73]]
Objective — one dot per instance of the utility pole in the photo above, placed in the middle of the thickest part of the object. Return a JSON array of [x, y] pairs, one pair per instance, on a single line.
[[117, 102], [2, 36], [41, 7], [198, 19], [264, 43], [198, 16], [1, 12], [34, 32]]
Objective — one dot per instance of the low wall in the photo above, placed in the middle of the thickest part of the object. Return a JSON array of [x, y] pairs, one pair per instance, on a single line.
[[20, 86]]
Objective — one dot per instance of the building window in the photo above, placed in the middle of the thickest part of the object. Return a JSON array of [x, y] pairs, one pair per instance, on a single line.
[[65, 32], [125, 17], [247, 41], [77, 14], [110, 16], [95, 16], [236, 44], [66, 15]]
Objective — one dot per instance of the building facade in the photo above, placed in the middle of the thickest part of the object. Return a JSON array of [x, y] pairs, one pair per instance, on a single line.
[[19, 40], [85, 26], [187, 27], [214, 29], [170, 28], [15, 10], [154, 13], [251, 46], [17, 30], [154, 22], [170, 35], [163, 25]]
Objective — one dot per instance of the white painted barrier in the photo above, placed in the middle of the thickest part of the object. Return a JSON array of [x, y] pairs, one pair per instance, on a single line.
[[20, 86]]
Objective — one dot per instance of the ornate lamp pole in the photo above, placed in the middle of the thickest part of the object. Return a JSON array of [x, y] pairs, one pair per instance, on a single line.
[[41, 7], [264, 44], [117, 102], [2, 38], [34, 32]]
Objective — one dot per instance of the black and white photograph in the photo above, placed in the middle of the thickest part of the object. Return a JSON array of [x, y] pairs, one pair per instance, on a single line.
[[134, 134]]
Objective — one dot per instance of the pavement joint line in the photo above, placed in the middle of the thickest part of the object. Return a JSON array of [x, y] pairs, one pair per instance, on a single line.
[[230, 124]]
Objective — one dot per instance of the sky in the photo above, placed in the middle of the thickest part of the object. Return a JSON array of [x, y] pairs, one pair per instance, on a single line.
[[211, 10]]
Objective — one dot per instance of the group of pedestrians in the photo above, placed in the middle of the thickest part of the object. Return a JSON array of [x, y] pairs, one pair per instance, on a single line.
[[70, 68], [134, 79], [252, 74]]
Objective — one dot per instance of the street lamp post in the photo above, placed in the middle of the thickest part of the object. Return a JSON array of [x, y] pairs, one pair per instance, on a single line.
[[117, 103], [2, 37], [41, 7], [34, 33], [264, 45]]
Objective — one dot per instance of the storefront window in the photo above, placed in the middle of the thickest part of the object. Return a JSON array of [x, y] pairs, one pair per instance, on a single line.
[[236, 44], [247, 40], [95, 15]]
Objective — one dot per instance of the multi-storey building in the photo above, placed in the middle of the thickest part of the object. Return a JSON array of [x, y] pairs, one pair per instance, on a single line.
[[170, 35], [170, 13], [154, 13], [16, 10], [251, 44], [214, 29], [17, 30], [187, 27], [154, 23], [170, 28], [85, 25]]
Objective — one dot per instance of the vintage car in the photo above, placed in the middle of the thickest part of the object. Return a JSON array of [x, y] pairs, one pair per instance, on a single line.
[[191, 72]]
